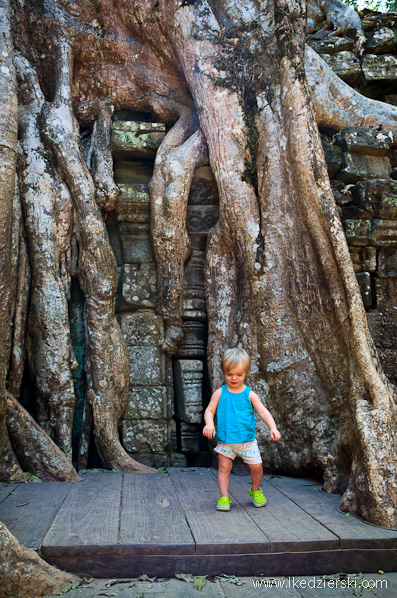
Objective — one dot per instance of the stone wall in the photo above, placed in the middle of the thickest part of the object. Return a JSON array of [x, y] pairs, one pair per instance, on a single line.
[[363, 171], [162, 424]]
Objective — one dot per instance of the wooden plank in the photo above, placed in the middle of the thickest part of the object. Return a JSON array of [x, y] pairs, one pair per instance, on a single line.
[[152, 520], [288, 527], [215, 531], [89, 516], [29, 522], [6, 489], [353, 532], [112, 564]]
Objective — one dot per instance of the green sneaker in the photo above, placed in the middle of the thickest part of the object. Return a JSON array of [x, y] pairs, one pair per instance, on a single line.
[[258, 497], [223, 503]]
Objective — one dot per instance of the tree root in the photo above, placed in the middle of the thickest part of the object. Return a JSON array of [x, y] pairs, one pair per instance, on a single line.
[[24, 574], [106, 191], [337, 105], [181, 151], [107, 353], [35, 450], [47, 208]]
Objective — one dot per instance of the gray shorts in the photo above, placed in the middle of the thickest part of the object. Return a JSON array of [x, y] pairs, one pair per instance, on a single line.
[[248, 451]]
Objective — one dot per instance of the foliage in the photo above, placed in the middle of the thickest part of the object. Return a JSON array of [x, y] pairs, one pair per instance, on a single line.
[[378, 5]]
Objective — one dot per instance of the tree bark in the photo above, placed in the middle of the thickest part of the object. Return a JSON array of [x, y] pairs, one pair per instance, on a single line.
[[108, 376], [48, 218], [23, 573], [9, 467], [179, 154]]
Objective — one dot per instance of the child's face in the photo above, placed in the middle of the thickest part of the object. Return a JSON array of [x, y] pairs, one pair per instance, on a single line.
[[235, 376]]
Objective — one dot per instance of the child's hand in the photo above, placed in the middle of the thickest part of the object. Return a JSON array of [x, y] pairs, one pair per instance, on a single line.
[[275, 434], [209, 431]]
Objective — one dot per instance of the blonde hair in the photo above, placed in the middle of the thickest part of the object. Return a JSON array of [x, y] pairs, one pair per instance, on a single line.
[[233, 357]]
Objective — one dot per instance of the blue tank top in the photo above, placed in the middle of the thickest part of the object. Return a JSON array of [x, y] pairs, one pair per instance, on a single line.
[[235, 416]]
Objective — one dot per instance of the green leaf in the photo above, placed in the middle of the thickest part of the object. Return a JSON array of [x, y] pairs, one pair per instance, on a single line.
[[32, 477], [23, 504], [162, 470], [200, 582], [347, 515], [71, 585]]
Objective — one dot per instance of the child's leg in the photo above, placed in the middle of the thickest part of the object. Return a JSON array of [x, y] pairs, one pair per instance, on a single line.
[[224, 468], [256, 471]]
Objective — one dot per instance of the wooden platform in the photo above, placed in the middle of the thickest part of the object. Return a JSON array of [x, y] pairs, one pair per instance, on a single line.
[[124, 525]]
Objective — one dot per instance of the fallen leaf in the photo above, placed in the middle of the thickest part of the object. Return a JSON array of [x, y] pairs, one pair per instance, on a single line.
[[347, 515], [145, 577], [71, 585], [23, 504], [187, 469], [111, 582], [200, 582], [185, 577], [164, 503]]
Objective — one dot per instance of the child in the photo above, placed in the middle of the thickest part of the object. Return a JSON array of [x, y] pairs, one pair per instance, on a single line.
[[234, 405]]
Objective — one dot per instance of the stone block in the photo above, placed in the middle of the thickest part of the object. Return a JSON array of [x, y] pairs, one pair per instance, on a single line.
[[142, 329], [201, 218], [193, 342], [333, 158], [132, 173], [378, 197], [136, 243], [379, 68], [190, 437], [357, 232], [384, 233], [203, 190], [188, 381], [145, 436], [383, 328], [136, 140], [329, 44], [149, 402], [133, 204], [387, 263], [177, 460], [380, 41], [364, 282], [363, 258], [386, 294], [341, 193], [194, 307], [148, 366], [379, 233], [364, 140], [345, 64], [357, 167], [139, 285]]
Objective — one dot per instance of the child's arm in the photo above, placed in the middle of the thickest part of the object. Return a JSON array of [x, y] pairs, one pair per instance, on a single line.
[[265, 415], [209, 413]]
